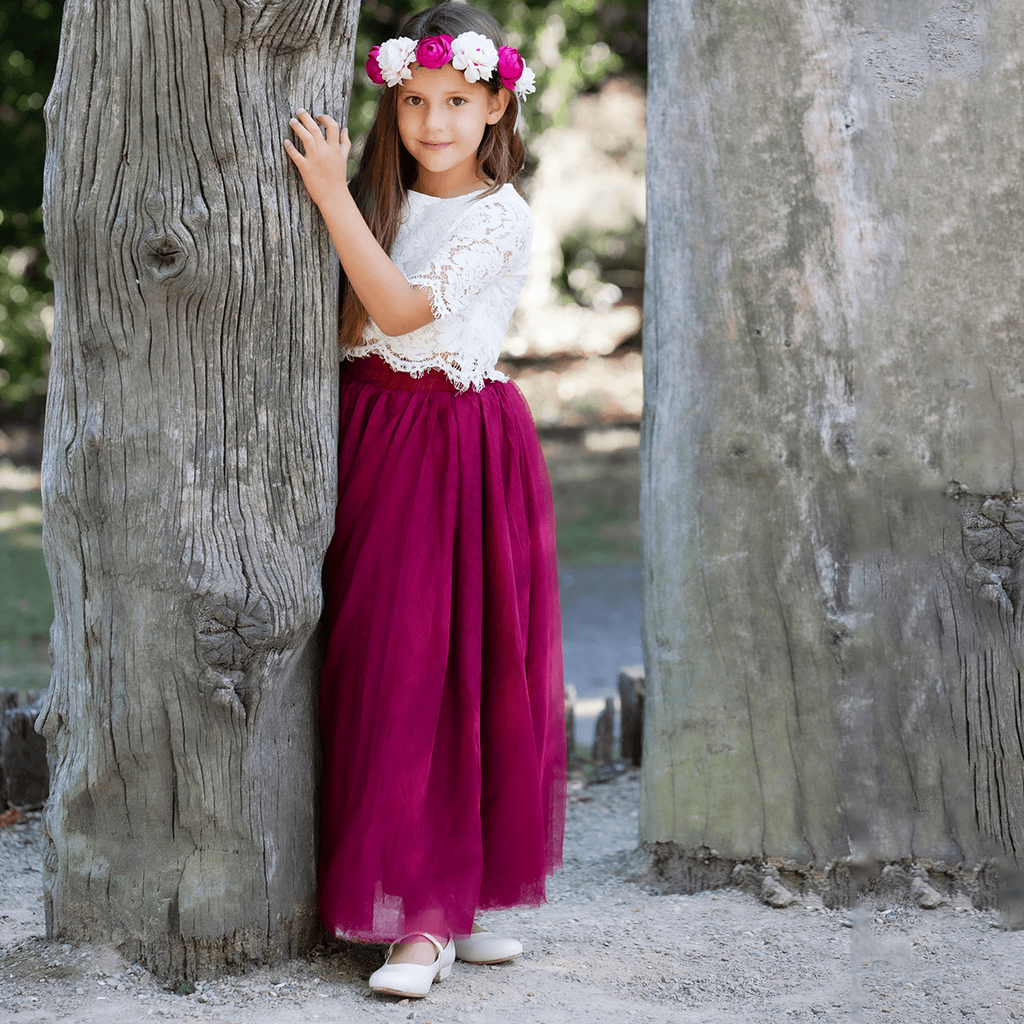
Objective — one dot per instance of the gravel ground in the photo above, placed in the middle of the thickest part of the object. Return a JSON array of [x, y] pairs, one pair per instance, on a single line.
[[604, 949]]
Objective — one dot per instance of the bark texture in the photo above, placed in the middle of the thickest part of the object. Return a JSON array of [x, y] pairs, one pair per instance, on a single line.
[[189, 475], [832, 527]]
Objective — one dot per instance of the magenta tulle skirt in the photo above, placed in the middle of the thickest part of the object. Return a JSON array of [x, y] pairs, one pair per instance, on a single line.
[[441, 702]]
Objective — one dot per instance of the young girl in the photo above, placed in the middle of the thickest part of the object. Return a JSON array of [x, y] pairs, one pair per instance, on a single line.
[[441, 698]]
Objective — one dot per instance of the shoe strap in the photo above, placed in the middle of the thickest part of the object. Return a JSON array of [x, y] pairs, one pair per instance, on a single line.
[[426, 935]]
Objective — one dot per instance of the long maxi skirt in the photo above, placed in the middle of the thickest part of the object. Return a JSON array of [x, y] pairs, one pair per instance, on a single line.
[[441, 702]]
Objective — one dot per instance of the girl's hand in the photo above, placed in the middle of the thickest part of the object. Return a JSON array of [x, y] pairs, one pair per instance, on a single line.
[[323, 162]]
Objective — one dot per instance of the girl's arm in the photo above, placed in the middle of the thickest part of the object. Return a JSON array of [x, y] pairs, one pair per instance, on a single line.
[[395, 306]]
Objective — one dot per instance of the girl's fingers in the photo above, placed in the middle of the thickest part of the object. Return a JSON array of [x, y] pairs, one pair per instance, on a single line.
[[330, 127], [305, 127], [310, 132], [309, 123], [301, 131]]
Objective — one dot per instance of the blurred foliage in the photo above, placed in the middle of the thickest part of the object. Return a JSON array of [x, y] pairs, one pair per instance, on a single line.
[[26, 609], [26, 311], [29, 36], [602, 268], [571, 46]]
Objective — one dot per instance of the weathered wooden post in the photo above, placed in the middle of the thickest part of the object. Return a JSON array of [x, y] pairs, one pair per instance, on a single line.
[[189, 477], [833, 530]]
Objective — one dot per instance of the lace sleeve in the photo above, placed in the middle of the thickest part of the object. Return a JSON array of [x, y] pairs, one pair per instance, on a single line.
[[492, 238]]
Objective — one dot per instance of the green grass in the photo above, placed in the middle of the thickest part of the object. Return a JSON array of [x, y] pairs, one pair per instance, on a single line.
[[597, 501], [26, 605]]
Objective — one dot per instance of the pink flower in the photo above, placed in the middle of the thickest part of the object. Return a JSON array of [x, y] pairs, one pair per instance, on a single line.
[[373, 68], [434, 51], [510, 66]]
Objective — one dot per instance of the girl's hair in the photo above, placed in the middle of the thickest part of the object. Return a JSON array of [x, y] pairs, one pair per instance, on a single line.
[[386, 170]]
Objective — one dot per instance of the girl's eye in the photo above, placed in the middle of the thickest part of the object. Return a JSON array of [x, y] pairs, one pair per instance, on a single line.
[[458, 101], [413, 100]]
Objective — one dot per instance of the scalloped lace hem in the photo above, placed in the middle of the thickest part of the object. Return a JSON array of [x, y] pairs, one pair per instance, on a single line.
[[463, 380]]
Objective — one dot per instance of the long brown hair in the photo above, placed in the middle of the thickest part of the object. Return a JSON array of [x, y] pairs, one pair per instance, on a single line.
[[386, 170]]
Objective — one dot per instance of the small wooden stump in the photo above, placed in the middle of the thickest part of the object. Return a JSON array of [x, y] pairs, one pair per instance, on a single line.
[[24, 777], [632, 695], [604, 735]]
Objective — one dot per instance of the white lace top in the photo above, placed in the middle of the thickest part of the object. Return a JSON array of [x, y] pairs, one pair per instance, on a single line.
[[472, 255]]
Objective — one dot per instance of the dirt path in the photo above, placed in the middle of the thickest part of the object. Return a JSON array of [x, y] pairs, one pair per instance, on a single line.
[[604, 950]]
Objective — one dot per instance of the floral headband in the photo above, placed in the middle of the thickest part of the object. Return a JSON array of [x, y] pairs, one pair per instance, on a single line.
[[471, 53]]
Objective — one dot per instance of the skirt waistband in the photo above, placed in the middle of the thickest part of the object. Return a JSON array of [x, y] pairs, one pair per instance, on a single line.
[[372, 369]]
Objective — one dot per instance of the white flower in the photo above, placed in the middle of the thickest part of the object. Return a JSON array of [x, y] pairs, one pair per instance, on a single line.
[[394, 58], [526, 83], [474, 55]]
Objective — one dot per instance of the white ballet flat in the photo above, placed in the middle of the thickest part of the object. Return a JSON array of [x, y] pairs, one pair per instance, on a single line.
[[486, 948], [413, 981]]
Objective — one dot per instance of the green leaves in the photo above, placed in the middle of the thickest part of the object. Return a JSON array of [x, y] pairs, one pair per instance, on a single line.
[[29, 39], [26, 313]]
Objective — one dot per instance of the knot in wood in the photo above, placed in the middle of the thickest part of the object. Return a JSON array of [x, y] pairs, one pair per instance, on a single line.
[[1009, 515], [840, 637], [163, 255], [229, 631], [993, 534], [843, 441], [739, 446]]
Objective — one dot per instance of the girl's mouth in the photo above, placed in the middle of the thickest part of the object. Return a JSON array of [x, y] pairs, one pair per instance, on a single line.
[[434, 145]]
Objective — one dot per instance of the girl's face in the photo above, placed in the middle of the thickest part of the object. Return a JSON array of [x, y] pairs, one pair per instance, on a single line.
[[441, 122]]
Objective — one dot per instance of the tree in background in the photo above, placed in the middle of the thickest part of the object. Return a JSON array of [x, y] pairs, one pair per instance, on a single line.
[[833, 522]]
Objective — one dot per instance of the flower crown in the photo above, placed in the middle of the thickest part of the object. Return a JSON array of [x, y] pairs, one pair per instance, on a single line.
[[471, 53]]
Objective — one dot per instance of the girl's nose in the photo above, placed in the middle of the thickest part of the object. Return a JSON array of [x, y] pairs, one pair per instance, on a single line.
[[434, 117]]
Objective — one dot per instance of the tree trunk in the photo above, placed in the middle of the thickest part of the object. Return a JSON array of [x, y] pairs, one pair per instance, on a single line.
[[189, 476], [832, 527]]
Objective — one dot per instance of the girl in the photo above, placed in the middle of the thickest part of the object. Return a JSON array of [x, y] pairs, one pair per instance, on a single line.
[[441, 698]]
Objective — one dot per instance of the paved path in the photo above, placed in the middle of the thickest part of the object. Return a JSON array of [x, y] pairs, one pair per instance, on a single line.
[[600, 634]]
